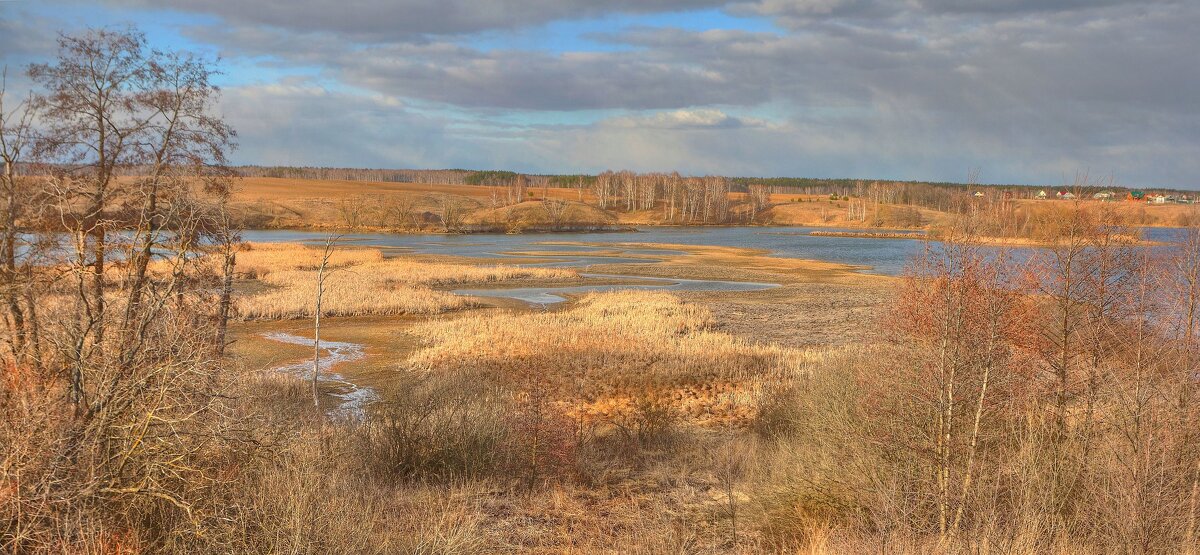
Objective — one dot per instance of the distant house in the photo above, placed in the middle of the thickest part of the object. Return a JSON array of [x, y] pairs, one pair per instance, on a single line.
[[1042, 194], [1065, 195], [979, 194], [1158, 199], [1103, 195], [1136, 195]]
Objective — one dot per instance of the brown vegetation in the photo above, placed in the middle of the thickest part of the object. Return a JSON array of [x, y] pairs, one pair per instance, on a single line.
[[360, 282], [1046, 405], [1030, 408], [624, 198], [618, 346]]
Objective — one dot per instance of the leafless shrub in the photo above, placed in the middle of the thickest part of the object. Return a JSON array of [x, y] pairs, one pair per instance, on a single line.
[[443, 428], [556, 211]]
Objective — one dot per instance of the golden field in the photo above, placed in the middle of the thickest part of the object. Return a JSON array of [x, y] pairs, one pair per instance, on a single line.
[[643, 440], [337, 204]]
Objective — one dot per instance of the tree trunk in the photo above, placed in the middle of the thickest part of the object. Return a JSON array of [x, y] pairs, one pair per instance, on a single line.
[[226, 299], [317, 334]]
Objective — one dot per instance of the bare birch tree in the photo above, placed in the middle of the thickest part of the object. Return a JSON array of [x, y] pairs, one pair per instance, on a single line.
[[959, 319], [322, 274]]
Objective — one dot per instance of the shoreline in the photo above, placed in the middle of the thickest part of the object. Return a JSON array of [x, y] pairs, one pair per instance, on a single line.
[[822, 231]]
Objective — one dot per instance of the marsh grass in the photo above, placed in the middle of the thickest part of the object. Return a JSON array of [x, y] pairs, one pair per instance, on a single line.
[[610, 351], [259, 259], [362, 282]]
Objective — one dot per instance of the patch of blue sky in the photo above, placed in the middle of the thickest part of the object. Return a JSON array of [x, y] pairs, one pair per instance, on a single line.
[[262, 70], [161, 26], [584, 35], [163, 30]]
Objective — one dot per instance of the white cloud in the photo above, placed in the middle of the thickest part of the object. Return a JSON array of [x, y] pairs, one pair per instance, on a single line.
[[701, 118]]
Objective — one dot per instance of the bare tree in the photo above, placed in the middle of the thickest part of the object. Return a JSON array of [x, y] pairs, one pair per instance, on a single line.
[[672, 185], [760, 199], [556, 210], [730, 464], [93, 113], [181, 140], [111, 104], [16, 136], [322, 274], [603, 188], [1184, 287], [959, 320], [399, 212], [226, 235], [517, 188], [351, 211], [129, 400], [450, 213]]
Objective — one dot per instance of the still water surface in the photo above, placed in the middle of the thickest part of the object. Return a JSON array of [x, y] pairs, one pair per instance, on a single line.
[[885, 256], [882, 256]]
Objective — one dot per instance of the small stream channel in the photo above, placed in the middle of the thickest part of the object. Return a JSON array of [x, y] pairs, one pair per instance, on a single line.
[[352, 399]]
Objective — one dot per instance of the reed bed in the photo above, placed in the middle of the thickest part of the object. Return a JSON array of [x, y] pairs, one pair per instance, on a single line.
[[361, 282], [348, 295], [259, 259], [611, 351]]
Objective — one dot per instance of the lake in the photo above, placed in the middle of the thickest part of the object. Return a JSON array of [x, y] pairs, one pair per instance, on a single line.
[[885, 256]]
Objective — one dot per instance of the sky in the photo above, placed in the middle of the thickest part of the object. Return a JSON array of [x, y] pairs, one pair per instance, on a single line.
[[1025, 91]]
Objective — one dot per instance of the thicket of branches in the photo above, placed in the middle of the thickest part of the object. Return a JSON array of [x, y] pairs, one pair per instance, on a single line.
[[116, 292], [1034, 405]]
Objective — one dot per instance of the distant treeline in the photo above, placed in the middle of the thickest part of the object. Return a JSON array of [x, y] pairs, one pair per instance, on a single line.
[[452, 176], [925, 193], [802, 185]]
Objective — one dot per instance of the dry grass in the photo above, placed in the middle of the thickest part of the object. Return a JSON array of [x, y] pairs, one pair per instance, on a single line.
[[259, 259], [611, 350], [313, 203], [1135, 213], [362, 282], [435, 471], [350, 294], [533, 214]]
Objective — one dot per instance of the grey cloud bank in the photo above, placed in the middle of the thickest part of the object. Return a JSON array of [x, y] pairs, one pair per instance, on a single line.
[[920, 89]]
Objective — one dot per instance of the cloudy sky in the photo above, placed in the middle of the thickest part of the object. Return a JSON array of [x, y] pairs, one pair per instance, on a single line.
[[1029, 91]]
